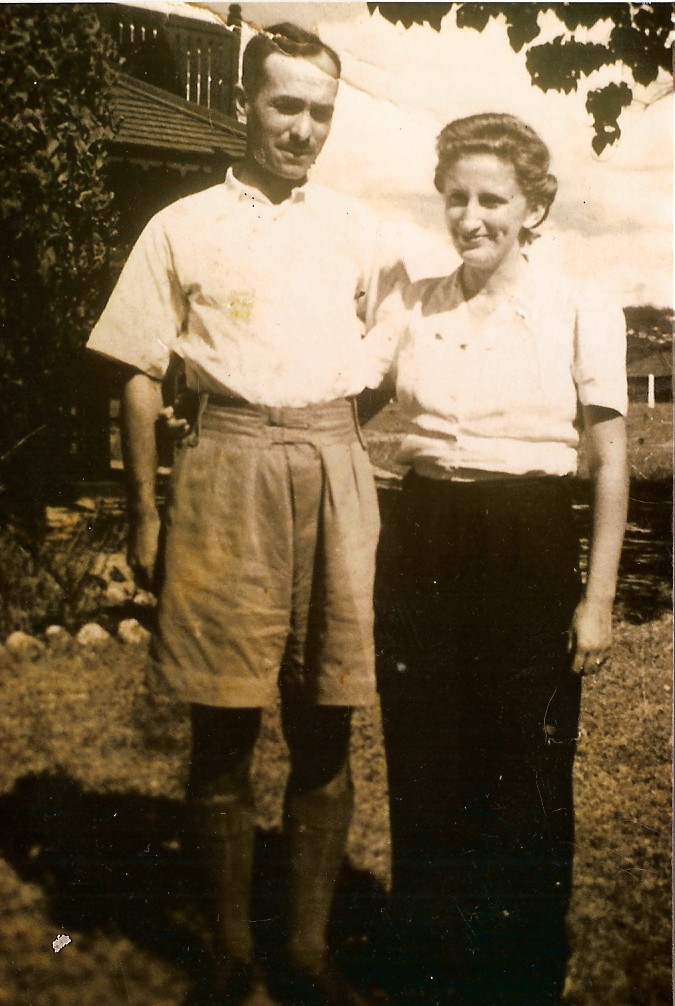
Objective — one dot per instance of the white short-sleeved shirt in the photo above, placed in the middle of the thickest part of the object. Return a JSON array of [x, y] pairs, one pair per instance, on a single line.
[[501, 398], [266, 302]]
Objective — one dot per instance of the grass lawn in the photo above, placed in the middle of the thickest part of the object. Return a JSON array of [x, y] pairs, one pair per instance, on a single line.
[[91, 781]]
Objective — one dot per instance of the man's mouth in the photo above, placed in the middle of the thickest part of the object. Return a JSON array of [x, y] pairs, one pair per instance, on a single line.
[[297, 153]]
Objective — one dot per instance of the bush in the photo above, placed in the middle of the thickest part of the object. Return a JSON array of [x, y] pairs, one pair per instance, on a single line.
[[56, 223]]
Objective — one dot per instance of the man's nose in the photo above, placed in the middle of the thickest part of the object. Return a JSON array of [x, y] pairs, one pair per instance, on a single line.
[[301, 127]]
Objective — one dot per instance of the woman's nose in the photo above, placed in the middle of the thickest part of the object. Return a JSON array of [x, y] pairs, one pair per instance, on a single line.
[[469, 218]]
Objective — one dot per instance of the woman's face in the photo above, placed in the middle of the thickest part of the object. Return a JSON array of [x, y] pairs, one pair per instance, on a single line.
[[485, 210]]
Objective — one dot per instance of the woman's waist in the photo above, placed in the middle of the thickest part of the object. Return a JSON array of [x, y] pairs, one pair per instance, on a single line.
[[467, 458]]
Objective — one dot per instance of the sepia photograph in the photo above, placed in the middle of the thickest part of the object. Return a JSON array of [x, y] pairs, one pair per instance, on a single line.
[[336, 525]]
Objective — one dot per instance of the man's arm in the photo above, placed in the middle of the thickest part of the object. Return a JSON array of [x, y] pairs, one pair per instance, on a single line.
[[141, 405], [384, 319], [371, 401]]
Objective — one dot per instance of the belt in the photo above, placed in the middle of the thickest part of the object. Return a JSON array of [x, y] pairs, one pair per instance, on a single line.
[[298, 417]]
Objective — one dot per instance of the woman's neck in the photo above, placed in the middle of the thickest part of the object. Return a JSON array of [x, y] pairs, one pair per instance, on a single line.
[[492, 285]]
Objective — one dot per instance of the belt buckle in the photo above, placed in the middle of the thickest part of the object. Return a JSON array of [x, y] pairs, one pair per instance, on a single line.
[[283, 417]]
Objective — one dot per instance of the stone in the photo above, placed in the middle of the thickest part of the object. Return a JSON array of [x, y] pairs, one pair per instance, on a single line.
[[57, 637], [144, 599], [131, 631], [92, 634], [24, 647], [115, 596]]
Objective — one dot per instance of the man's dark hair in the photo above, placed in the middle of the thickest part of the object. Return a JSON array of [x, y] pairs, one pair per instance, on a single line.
[[286, 38]]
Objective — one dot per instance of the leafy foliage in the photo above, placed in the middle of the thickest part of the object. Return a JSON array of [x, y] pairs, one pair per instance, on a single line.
[[639, 39], [56, 217], [650, 329]]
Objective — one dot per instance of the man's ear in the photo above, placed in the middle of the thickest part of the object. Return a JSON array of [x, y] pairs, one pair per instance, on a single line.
[[240, 102]]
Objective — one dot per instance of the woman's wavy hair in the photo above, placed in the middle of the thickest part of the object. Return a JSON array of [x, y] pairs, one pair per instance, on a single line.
[[513, 141]]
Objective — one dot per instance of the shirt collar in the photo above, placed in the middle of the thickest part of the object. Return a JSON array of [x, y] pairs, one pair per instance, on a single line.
[[521, 299], [242, 193]]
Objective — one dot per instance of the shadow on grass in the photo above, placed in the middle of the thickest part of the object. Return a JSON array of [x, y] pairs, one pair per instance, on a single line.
[[120, 863]]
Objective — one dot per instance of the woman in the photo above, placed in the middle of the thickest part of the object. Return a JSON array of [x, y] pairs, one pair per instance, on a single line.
[[500, 365]]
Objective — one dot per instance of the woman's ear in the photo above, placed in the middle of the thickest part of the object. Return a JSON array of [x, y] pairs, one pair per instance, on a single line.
[[536, 215]]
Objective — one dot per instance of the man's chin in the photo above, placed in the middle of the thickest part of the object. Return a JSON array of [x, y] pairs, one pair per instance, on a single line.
[[293, 170], [293, 174]]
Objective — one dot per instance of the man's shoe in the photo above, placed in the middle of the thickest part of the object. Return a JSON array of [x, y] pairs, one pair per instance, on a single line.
[[231, 983]]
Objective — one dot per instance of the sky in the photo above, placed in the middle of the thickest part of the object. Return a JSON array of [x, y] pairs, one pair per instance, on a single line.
[[613, 216]]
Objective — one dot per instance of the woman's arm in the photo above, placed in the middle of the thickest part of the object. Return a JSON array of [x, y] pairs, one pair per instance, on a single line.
[[591, 629]]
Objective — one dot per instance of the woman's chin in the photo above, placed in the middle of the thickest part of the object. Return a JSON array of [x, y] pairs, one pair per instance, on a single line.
[[477, 258]]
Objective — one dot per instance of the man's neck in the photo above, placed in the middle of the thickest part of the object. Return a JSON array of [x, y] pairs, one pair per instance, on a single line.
[[251, 174]]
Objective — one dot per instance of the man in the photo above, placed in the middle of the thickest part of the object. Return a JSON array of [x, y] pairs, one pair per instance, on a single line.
[[263, 286]]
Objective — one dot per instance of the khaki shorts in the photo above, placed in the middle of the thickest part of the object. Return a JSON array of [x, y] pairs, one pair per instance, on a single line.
[[272, 527]]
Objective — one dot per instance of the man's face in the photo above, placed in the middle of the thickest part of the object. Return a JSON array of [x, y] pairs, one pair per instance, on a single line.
[[289, 118]]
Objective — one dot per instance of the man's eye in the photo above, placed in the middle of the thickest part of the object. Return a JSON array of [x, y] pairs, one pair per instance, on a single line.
[[287, 107], [322, 114], [454, 199], [492, 202]]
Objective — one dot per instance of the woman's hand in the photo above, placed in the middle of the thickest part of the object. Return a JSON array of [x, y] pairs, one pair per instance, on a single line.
[[590, 636]]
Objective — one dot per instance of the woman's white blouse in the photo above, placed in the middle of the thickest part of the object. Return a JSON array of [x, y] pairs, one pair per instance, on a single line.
[[502, 397]]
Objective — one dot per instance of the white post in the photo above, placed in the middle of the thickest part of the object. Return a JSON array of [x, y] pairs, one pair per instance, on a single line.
[[651, 398]]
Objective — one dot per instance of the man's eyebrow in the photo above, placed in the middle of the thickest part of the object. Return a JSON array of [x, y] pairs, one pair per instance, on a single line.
[[294, 99]]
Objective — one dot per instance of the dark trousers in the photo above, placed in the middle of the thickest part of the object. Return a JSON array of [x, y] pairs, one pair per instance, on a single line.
[[481, 716]]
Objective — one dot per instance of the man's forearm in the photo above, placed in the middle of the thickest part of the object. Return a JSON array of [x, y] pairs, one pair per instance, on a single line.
[[141, 404]]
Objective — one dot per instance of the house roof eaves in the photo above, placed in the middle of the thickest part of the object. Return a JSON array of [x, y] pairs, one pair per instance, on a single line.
[[151, 117]]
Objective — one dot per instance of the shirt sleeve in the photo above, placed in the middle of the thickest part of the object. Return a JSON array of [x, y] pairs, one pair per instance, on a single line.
[[600, 353], [384, 338], [147, 308], [382, 266]]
